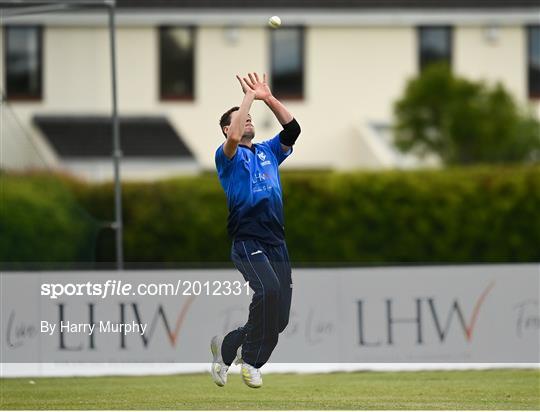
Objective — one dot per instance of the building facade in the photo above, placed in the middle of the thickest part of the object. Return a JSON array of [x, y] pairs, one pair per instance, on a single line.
[[339, 66]]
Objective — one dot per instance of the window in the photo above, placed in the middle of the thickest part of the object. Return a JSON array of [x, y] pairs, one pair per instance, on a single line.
[[287, 62], [533, 35], [176, 62], [435, 45], [23, 62]]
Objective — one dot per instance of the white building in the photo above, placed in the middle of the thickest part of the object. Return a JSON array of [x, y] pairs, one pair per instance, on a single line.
[[338, 65]]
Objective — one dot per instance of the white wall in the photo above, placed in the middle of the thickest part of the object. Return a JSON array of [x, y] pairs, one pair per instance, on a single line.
[[353, 75], [500, 59]]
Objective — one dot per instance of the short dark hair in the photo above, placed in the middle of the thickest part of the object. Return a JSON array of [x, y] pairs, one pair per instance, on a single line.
[[225, 119]]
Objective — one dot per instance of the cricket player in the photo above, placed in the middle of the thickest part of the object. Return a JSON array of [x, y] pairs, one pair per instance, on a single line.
[[248, 173]]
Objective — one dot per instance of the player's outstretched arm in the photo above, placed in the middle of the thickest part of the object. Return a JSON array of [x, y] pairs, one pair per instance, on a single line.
[[291, 128], [236, 129]]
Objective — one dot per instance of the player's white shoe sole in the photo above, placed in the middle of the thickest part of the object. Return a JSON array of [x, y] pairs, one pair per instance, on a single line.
[[219, 369], [251, 376]]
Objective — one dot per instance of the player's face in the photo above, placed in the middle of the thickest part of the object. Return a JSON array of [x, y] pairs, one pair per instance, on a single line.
[[249, 129]]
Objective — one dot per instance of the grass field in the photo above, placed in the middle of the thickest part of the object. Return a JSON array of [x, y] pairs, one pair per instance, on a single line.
[[489, 389]]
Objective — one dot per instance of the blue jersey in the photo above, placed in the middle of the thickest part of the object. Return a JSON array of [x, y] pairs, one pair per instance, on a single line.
[[253, 188]]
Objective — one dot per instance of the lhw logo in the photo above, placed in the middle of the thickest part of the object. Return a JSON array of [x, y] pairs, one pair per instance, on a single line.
[[172, 325], [441, 319]]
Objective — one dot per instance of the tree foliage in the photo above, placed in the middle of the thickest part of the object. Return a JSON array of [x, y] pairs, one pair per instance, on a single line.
[[463, 121]]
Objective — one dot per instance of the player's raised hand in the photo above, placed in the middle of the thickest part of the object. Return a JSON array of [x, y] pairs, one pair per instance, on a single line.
[[245, 87], [262, 91]]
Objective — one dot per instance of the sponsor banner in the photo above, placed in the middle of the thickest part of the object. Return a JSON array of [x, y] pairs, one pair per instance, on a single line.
[[462, 314]]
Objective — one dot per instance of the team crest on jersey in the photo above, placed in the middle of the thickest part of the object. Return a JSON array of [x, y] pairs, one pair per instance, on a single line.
[[262, 156]]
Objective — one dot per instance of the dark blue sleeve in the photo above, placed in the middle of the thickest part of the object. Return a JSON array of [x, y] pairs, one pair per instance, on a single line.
[[275, 146]]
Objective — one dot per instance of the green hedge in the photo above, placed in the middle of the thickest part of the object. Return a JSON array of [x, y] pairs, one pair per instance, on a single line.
[[457, 215], [41, 221], [467, 215]]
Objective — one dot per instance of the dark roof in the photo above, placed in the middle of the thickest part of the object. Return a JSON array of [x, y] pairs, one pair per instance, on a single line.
[[91, 136], [329, 4]]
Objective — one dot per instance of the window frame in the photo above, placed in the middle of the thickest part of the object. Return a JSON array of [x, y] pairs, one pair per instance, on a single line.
[[289, 96], [24, 97], [530, 94], [176, 97], [450, 38]]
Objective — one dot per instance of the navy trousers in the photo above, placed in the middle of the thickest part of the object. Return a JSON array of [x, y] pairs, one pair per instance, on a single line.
[[268, 271]]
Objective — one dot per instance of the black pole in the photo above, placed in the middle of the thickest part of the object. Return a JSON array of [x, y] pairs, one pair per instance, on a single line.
[[117, 153], [44, 6]]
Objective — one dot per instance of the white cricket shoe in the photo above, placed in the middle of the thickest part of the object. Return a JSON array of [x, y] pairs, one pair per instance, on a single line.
[[251, 376], [219, 369]]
